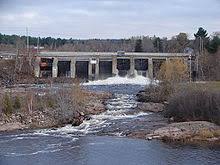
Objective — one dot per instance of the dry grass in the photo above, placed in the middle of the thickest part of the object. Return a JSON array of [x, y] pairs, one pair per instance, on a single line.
[[205, 133], [66, 101], [210, 85], [191, 103], [216, 133]]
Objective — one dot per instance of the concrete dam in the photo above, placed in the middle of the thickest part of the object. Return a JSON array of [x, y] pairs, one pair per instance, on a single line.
[[101, 65]]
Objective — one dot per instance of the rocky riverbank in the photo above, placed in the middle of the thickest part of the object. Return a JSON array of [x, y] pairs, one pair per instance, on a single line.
[[193, 132], [188, 132], [53, 116]]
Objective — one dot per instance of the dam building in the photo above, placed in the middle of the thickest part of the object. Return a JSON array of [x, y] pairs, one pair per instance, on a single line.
[[100, 65]]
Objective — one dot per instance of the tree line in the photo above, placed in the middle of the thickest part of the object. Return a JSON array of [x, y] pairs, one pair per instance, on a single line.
[[177, 44]]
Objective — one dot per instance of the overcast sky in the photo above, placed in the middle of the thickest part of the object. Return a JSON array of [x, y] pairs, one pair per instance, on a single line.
[[108, 18]]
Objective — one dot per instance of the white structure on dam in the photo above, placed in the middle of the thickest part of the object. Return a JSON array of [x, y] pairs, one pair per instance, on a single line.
[[95, 65]]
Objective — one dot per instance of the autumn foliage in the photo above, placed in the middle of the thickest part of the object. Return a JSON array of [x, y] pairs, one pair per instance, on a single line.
[[173, 71]]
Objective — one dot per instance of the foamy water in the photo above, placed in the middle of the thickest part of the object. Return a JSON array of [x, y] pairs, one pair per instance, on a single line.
[[119, 109], [74, 145], [138, 80]]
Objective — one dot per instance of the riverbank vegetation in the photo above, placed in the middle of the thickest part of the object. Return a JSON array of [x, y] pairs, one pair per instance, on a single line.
[[51, 107], [193, 103], [171, 73], [192, 107], [188, 101]]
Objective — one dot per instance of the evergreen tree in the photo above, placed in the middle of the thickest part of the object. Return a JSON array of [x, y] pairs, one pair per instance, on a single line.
[[201, 40], [214, 44], [201, 33], [158, 44], [138, 46]]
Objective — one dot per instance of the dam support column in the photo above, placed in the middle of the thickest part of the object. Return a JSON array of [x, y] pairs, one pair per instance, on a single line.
[[90, 69], [150, 68], [55, 68], [73, 68], [167, 59], [97, 68], [114, 66], [132, 67], [37, 67], [186, 60]]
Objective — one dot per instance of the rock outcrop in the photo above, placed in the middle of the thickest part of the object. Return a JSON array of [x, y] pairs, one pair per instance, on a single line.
[[51, 117], [11, 126], [193, 131], [150, 107]]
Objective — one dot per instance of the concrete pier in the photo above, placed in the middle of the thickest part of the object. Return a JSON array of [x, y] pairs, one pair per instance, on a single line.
[[132, 67], [90, 69], [37, 67], [55, 68], [114, 66], [150, 68], [73, 68], [97, 68]]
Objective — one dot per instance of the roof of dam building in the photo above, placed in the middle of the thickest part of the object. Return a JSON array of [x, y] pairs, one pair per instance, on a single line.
[[109, 54]]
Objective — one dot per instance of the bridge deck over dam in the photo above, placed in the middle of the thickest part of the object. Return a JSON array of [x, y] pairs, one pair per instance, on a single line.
[[95, 65]]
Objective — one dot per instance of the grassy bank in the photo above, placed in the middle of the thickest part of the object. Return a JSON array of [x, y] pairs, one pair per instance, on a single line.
[[193, 102], [187, 101]]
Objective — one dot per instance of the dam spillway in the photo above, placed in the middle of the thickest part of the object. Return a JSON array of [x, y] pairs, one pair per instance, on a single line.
[[100, 65]]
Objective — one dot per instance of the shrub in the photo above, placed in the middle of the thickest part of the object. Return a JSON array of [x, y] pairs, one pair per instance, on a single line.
[[70, 101], [50, 102], [17, 103], [155, 93], [210, 66], [173, 71], [7, 104], [7, 68], [191, 104]]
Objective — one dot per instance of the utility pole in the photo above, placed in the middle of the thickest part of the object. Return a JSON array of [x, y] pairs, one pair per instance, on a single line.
[[38, 41], [27, 41], [201, 48], [28, 57], [190, 68]]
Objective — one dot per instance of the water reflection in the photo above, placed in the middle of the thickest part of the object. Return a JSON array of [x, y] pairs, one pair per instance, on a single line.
[[93, 150]]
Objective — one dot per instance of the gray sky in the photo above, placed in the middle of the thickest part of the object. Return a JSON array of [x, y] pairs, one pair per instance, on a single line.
[[108, 18]]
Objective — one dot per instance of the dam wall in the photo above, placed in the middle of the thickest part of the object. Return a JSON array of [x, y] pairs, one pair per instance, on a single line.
[[100, 65]]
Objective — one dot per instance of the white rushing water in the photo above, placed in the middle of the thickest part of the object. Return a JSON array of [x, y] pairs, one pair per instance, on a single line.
[[74, 145], [138, 80], [119, 109]]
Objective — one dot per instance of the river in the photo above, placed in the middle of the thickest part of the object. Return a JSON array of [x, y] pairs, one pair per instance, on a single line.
[[102, 139]]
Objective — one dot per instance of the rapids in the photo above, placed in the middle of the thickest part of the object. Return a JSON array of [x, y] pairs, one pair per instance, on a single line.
[[101, 140]]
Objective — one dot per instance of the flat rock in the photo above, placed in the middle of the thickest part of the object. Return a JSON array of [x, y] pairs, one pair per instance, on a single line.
[[150, 107], [11, 126], [185, 130]]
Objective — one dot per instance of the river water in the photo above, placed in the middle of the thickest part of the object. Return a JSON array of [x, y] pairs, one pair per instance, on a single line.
[[101, 140]]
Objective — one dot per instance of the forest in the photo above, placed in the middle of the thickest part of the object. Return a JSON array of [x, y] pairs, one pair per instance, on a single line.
[[176, 44]]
